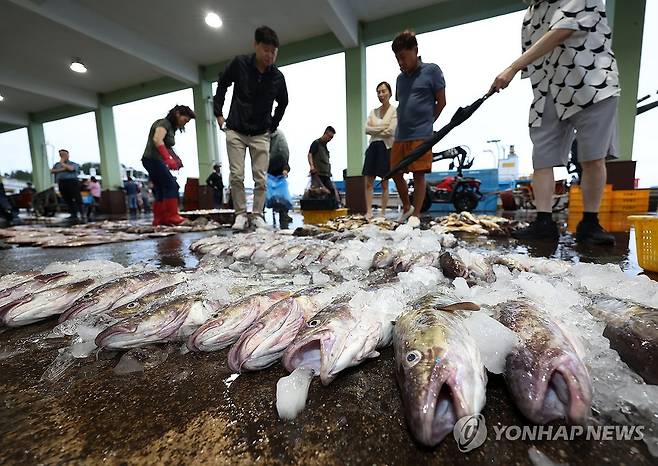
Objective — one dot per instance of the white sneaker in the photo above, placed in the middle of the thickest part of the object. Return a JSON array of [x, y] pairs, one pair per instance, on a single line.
[[413, 222], [258, 222], [405, 215], [241, 222]]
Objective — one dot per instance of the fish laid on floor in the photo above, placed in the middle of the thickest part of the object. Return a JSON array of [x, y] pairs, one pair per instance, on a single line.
[[268, 337], [439, 371], [633, 332], [227, 324], [120, 291], [173, 320], [545, 373]]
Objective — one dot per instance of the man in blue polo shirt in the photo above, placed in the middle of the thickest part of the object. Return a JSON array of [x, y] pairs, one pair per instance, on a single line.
[[420, 91], [66, 177]]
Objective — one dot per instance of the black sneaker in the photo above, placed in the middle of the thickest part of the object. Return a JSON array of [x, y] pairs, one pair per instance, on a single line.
[[593, 233], [538, 230]]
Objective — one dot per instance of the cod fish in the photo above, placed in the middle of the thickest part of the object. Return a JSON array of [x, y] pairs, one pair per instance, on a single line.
[[439, 371], [173, 320], [544, 373], [118, 292], [336, 338], [227, 324], [17, 289], [43, 304], [267, 338], [633, 333]]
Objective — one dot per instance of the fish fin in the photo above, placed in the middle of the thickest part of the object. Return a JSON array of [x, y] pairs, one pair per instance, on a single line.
[[461, 306], [373, 354]]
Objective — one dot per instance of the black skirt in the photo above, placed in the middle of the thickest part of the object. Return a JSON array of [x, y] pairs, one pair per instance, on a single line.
[[378, 160]]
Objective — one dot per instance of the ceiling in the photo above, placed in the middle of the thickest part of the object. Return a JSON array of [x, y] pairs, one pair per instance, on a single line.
[[126, 42]]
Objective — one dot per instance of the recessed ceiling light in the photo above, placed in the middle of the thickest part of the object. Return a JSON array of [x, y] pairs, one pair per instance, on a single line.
[[2, 98], [213, 20], [78, 66]]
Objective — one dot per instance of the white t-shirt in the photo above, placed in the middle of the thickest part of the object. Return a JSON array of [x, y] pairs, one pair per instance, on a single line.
[[577, 73], [382, 128]]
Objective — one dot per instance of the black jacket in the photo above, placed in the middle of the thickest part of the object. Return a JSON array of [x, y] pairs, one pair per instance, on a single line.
[[215, 181], [253, 96]]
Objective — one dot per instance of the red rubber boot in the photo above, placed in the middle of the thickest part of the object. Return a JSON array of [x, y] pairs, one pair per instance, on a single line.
[[157, 213], [170, 215]]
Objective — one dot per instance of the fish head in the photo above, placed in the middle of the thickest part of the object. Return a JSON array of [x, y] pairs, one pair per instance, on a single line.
[[383, 258], [439, 373], [551, 384], [226, 325], [331, 341], [158, 324], [452, 265], [262, 344]]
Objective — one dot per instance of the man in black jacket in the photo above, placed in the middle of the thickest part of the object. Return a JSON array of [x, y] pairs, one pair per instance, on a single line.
[[258, 83], [217, 185]]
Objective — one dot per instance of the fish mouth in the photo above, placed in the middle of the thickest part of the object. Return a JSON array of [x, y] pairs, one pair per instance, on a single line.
[[205, 338], [568, 394], [107, 338], [561, 391], [314, 353], [433, 416], [5, 310], [76, 310], [242, 351]]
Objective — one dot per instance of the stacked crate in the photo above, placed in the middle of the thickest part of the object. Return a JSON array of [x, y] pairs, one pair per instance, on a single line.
[[630, 201]]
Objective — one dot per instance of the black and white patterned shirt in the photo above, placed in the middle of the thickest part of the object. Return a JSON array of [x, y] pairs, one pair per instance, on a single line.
[[579, 72]]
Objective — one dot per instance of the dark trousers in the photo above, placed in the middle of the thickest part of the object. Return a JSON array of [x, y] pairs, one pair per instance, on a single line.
[[217, 195], [70, 192], [164, 183]]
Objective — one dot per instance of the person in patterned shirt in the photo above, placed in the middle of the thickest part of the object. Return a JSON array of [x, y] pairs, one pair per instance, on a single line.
[[567, 56]]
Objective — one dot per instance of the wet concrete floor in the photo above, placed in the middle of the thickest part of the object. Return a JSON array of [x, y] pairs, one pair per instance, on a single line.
[[192, 410]]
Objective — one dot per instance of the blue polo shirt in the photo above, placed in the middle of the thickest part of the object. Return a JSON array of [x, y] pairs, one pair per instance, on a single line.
[[66, 175], [416, 96]]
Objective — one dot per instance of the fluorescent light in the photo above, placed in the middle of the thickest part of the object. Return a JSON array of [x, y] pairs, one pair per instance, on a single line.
[[213, 20], [78, 66]]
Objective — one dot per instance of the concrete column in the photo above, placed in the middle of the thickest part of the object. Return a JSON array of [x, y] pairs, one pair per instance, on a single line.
[[627, 19], [355, 93], [107, 142], [41, 176], [206, 130]]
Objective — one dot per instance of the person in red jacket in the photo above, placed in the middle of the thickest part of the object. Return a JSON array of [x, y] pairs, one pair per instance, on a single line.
[[159, 158]]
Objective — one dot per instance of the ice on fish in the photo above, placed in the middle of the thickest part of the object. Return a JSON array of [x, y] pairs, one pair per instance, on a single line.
[[320, 278], [461, 287], [292, 391], [301, 279], [493, 339]]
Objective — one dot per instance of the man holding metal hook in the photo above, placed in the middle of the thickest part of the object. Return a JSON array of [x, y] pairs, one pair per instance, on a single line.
[[569, 60], [258, 83]]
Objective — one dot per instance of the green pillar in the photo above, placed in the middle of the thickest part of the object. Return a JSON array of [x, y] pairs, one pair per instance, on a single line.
[[627, 29], [355, 93], [41, 176], [206, 130], [107, 142]]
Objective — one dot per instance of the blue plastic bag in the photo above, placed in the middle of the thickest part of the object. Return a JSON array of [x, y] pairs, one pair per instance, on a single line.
[[278, 197]]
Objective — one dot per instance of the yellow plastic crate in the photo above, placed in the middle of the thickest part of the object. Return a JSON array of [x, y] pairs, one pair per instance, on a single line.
[[322, 216], [576, 199], [646, 240], [631, 201]]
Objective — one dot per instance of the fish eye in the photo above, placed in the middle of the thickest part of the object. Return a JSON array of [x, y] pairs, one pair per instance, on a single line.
[[313, 323], [131, 305], [413, 357]]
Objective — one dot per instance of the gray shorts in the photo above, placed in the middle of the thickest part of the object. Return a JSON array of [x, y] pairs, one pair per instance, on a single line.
[[595, 129]]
